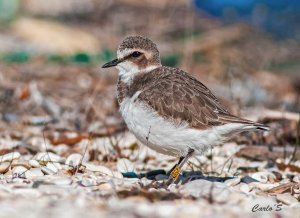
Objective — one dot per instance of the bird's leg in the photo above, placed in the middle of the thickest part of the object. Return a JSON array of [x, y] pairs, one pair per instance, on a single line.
[[179, 161], [176, 170]]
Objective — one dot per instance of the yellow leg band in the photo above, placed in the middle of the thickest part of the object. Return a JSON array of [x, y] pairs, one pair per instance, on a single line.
[[175, 173]]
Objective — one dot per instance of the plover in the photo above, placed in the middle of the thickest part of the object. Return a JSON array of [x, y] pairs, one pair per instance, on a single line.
[[166, 108]]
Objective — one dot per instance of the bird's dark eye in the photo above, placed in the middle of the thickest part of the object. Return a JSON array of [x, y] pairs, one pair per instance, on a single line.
[[136, 54]]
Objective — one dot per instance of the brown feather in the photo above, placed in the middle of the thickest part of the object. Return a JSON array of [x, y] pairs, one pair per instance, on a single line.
[[179, 97]]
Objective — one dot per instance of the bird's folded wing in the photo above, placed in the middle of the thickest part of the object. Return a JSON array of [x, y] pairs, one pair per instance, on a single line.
[[181, 98]]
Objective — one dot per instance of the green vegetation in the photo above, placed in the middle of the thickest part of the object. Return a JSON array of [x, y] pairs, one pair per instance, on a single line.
[[172, 60], [18, 57]]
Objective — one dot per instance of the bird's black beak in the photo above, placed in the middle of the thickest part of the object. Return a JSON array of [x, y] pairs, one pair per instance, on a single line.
[[111, 63]]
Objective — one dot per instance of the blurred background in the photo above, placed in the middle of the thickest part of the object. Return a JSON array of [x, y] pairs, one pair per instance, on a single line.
[[51, 52], [64, 148]]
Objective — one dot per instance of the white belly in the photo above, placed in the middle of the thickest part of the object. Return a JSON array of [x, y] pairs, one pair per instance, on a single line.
[[165, 137]]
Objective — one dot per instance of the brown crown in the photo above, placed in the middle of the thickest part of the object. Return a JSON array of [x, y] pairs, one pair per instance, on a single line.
[[140, 43]]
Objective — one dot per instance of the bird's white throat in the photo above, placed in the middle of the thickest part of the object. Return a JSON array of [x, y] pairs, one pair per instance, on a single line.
[[127, 70]]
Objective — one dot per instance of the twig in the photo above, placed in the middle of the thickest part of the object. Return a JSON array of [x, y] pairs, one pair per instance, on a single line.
[[44, 139], [293, 158], [114, 145], [80, 163], [224, 164], [197, 166], [211, 159], [230, 165], [210, 196]]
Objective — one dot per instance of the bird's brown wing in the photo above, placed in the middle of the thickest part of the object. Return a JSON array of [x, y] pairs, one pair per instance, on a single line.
[[180, 97]]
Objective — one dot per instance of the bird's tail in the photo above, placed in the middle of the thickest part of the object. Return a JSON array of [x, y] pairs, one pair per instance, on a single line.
[[248, 125], [262, 127], [256, 126]]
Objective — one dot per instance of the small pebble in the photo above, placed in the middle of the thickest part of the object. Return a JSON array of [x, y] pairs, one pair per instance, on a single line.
[[126, 152], [26, 165], [10, 156], [203, 188], [233, 182], [4, 167], [48, 156], [248, 180], [117, 175], [245, 188], [33, 172], [145, 182], [99, 168], [222, 195], [263, 186], [19, 170], [34, 163], [28, 193], [152, 190], [173, 188], [263, 176], [296, 179], [47, 171], [105, 187], [62, 181], [53, 166], [286, 198], [87, 182], [74, 160]]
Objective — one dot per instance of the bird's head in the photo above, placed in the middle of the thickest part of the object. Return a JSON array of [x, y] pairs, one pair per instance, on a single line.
[[135, 54]]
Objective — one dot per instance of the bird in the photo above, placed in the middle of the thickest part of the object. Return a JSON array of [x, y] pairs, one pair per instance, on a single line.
[[167, 109]]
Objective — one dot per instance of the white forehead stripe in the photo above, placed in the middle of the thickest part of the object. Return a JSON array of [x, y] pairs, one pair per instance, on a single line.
[[127, 51], [124, 52]]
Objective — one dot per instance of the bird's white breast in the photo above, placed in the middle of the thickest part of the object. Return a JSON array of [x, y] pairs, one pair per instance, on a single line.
[[167, 137]]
